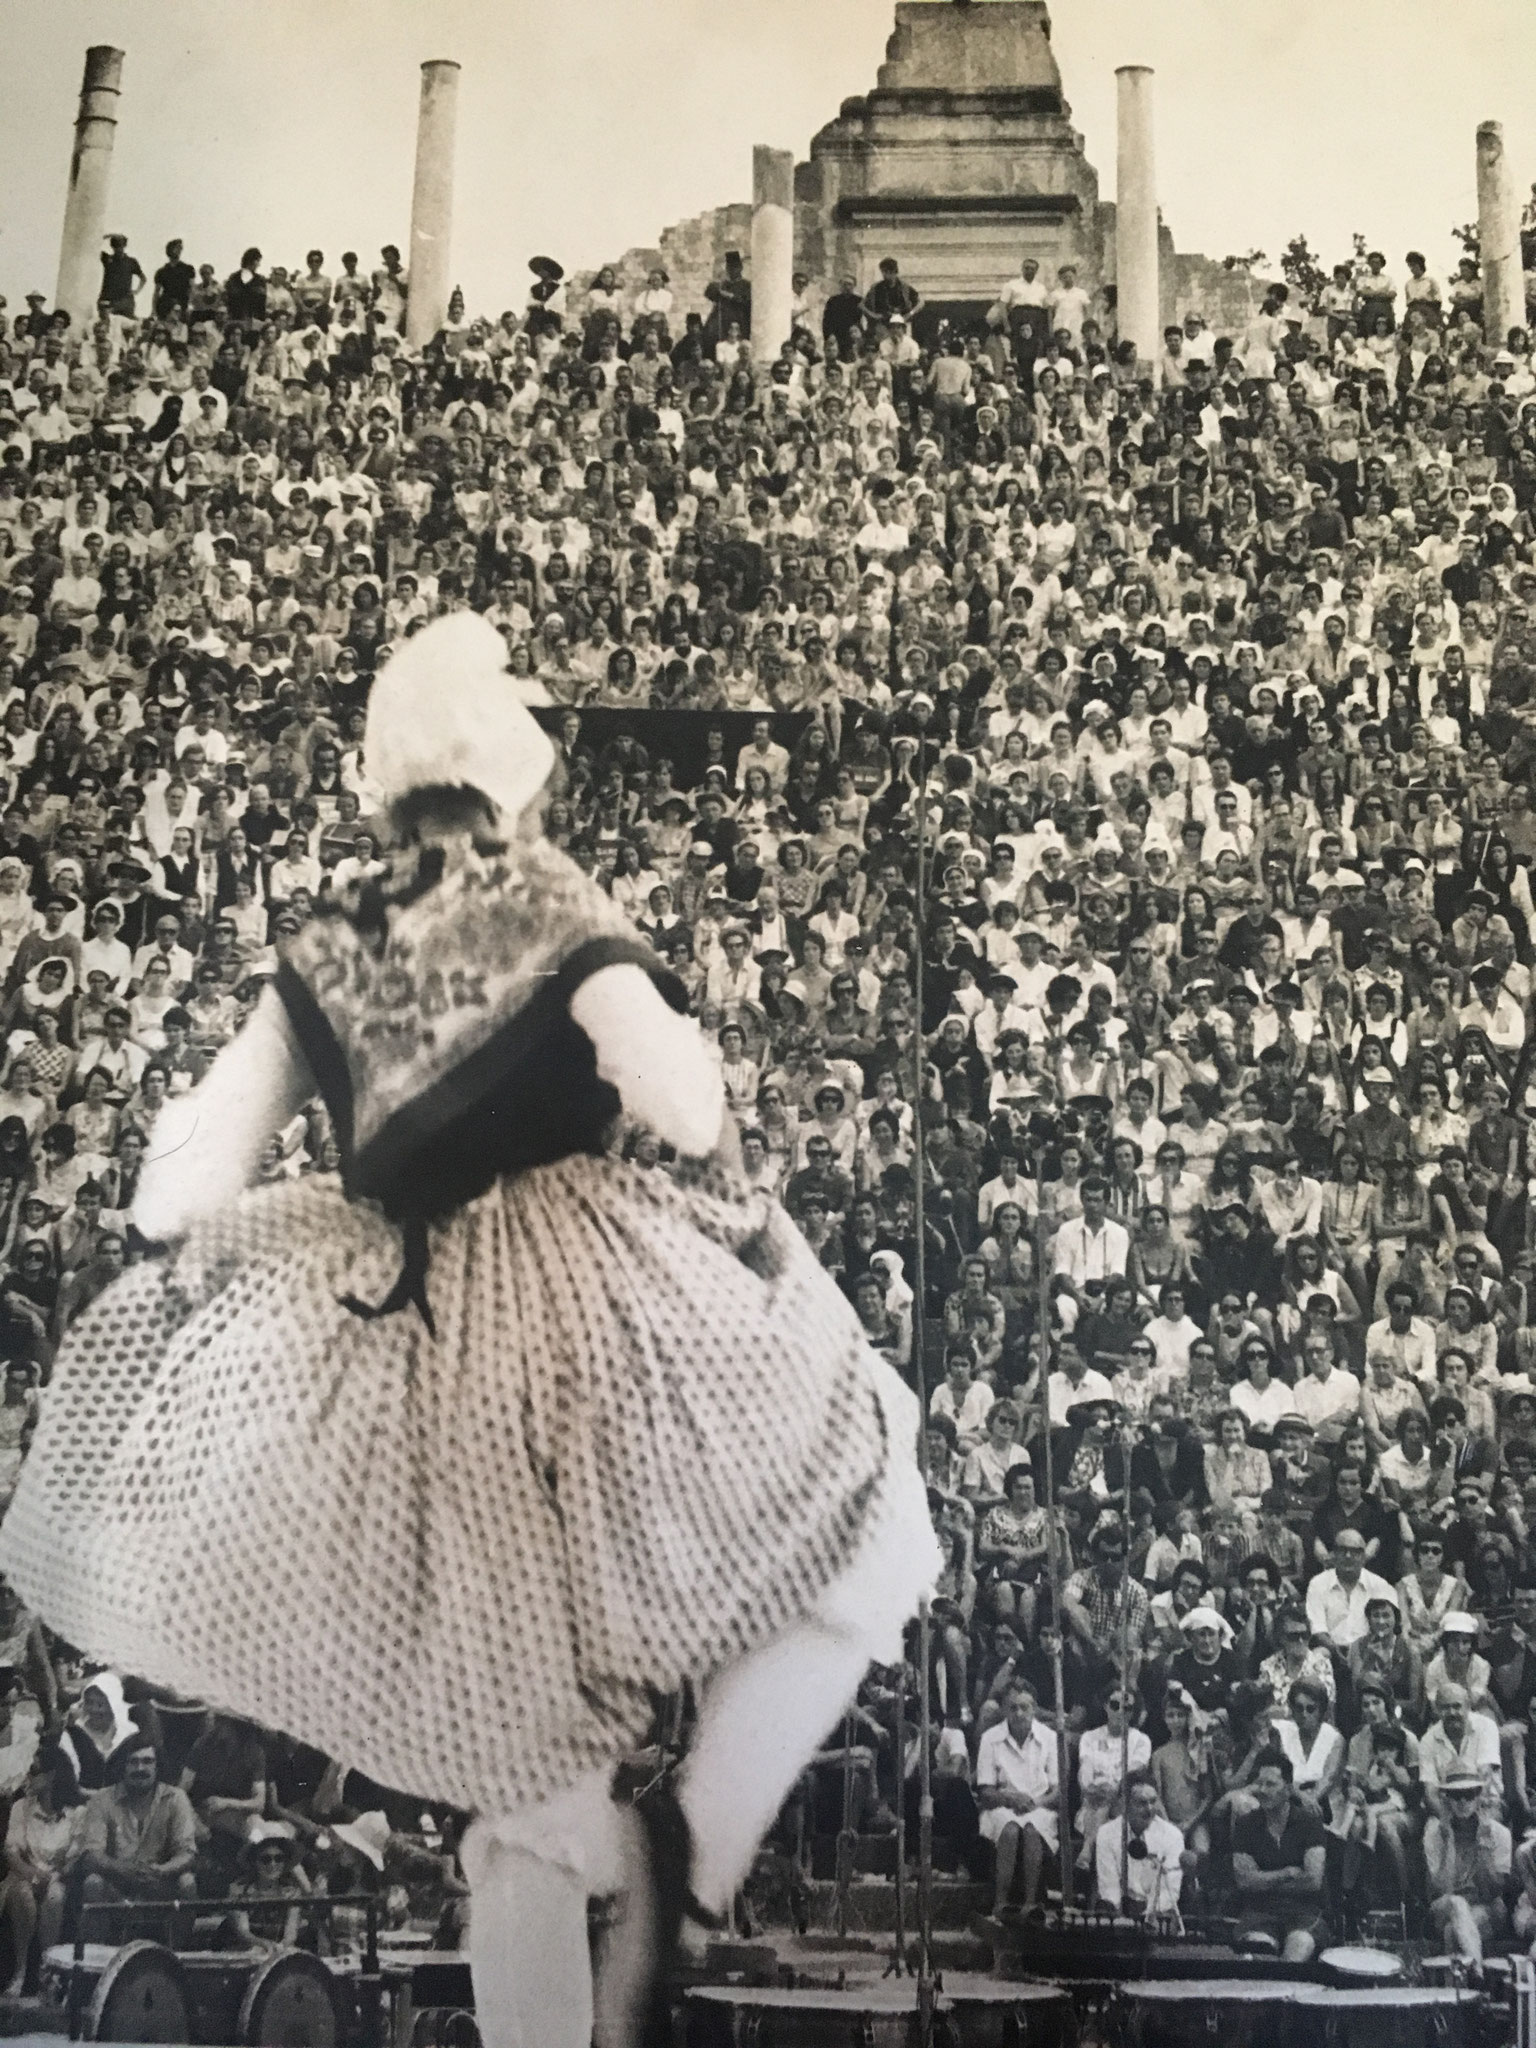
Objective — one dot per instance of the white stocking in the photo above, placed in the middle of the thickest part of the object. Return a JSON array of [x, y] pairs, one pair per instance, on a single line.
[[530, 1874], [528, 1955]]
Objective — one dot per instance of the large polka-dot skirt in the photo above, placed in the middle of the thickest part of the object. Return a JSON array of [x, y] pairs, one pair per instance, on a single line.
[[644, 1439]]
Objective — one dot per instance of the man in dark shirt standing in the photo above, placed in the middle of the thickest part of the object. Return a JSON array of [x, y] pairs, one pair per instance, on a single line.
[[730, 298], [173, 283], [1278, 1855], [245, 291], [891, 296], [120, 278], [225, 1777], [841, 316]]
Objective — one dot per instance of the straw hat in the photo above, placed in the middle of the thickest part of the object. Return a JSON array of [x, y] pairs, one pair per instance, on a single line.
[[263, 1832], [368, 1835]]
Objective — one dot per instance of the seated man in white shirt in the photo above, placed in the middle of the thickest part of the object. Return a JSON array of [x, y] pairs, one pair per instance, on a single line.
[[1153, 1857], [1003, 1013], [1008, 1185], [1073, 1382], [1090, 1249], [166, 945], [966, 1400], [1171, 1333], [1016, 1780], [122, 1061], [1205, 792], [1326, 1393], [1458, 1740], [1336, 1598], [1404, 1336]]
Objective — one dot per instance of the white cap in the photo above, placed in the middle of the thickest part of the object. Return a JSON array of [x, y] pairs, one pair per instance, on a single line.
[[444, 710]]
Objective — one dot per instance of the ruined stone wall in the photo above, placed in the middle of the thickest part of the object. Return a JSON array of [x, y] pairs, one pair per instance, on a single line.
[[1228, 298], [691, 252]]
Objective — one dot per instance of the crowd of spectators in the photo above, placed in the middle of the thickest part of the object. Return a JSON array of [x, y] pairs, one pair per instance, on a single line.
[[1120, 783], [116, 1801]]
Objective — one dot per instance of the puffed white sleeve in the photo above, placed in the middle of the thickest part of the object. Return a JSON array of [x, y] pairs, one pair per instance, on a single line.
[[655, 1058], [206, 1146]]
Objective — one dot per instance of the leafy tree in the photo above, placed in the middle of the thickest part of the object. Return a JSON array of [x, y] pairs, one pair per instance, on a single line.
[[1302, 271]]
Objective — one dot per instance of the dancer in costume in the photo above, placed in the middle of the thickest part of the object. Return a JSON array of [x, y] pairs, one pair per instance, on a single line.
[[459, 1521]]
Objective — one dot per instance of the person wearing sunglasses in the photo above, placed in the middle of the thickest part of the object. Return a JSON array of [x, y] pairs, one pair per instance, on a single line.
[[270, 1870], [1101, 1763], [1140, 1380], [1258, 1396], [1468, 1858]]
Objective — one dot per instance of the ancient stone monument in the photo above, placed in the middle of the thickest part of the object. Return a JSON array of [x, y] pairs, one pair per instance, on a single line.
[[961, 161]]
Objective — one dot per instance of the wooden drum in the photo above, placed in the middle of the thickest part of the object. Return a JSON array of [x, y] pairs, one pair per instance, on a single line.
[[1188, 2012], [1385, 2016], [741, 2016], [1010, 2016]]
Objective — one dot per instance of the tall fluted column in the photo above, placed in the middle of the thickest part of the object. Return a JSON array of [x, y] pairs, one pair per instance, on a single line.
[[773, 250], [90, 174], [426, 305], [1137, 300], [1498, 229]]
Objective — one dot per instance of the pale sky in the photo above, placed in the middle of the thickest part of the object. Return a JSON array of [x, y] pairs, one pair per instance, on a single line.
[[585, 126]]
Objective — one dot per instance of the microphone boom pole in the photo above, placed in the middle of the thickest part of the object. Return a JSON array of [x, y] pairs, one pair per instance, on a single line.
[[925, 1986]]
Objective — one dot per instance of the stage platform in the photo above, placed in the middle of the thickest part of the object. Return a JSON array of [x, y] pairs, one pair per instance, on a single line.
[[29, 2019]]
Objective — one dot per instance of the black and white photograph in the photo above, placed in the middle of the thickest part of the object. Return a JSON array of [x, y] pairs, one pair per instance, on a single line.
[[767, 953]]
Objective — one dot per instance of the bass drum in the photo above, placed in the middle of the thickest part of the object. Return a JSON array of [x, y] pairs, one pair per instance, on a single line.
[[1009, 2016], [732, 2016], [1186, 2012], [1387, 2016], [290, 2002], [141, 1995]]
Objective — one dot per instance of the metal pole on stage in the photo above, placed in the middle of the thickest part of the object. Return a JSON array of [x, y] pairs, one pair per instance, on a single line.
[[920, 1377], [845, 1837], [897, 1966], [1053, 1565], [1125, 1683]]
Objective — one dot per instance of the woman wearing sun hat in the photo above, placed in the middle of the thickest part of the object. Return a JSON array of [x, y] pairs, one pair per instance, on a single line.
[[269, 1868]]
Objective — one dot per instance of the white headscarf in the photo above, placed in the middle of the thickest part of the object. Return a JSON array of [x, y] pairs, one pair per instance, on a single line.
[[898, 1295], [1207, 1617], [110, 1686]]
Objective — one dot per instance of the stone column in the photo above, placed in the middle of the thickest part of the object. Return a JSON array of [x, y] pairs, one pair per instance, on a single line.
[[426, 304], [773, 250], [90, 173], [1498, 229], [1137, 299]]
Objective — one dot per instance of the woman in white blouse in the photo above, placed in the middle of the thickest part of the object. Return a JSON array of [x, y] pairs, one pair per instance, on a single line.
[[1315, 1747]]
